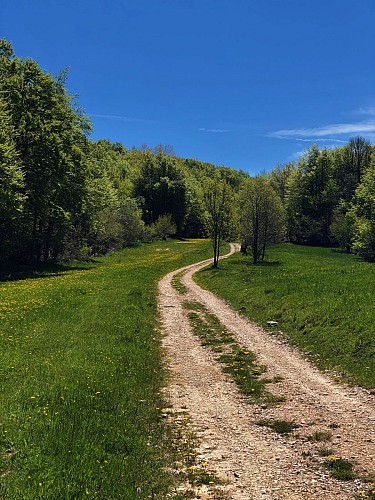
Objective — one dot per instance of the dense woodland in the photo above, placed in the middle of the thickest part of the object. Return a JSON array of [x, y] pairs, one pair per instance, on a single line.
[[64, 196]]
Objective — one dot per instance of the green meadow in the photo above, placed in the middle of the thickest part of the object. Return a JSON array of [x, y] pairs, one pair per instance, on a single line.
[[322, 299], [81, 373]]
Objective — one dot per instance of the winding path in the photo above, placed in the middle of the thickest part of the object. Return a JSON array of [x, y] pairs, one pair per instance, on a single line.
[[255, 462]]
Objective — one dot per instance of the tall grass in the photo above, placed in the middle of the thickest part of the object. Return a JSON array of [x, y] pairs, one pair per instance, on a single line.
[[80, 413], [323, 300]]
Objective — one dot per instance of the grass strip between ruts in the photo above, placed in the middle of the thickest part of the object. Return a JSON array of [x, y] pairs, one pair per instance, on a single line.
[[237, 361]]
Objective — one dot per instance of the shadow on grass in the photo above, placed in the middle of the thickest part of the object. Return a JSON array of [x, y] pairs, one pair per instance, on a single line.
[[261, 263], [15, 272], [266, 263], [239, 262]]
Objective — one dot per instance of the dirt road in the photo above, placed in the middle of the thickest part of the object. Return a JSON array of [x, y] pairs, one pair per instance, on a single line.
[[255, 462]]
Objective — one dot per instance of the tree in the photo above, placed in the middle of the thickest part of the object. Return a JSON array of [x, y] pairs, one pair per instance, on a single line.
[[279, 179], [342, 226], [311, 198], [350, 162], [118, 225], [360, 155], [161, 188], [49, 135], [12, 198], [261, 216], [164, 226], [363, 212], [218, 199]]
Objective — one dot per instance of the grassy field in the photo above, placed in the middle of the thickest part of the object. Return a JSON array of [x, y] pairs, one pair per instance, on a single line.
[[323, 301], [80, 413]]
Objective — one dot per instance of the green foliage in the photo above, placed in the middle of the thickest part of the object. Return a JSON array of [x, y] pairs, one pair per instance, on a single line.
[[49, 134], [164, 226], [279, 179], [203, 171], [240, 363], [118, 226], [320, 191], [12, 198], [321, 299], [363, 212], [342, 227], [339, 468], [81, 410], [218, 200], [161, 188], [195, 223], [311, 198], [279, 426], [261, 216], [62, 195]]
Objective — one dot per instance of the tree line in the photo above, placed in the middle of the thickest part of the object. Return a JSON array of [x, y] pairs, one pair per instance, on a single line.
[[64, 196], [329, 197]]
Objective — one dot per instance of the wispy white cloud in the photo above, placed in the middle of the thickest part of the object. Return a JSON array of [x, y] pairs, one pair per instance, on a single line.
[[316, 140], [124, 118], [214, 130], [315, 133], [370, 110]]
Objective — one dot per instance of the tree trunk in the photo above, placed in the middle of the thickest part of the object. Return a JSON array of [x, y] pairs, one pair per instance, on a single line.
[[215, 248], [255, 240]]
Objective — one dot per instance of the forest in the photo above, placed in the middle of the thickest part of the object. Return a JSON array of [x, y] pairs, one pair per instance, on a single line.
[[64, 196]]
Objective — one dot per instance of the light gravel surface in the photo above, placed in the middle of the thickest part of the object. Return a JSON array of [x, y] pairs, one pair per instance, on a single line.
[[254, 462]]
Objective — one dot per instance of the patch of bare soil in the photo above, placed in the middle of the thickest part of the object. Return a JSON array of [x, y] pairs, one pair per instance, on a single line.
[[254, 461]]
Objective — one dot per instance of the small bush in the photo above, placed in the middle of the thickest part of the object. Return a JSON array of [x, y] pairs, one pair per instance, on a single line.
[[339, 468], [279, 426], [320, 436]]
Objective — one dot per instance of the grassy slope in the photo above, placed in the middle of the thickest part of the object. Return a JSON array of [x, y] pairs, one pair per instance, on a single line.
[[323, 301], [80, 378]]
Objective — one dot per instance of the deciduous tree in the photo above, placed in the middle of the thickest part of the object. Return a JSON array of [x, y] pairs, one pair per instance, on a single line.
[[218, 200], [363, 210], [49, 135], [12, 198], [161, 188], [261, 216], [164, 226]]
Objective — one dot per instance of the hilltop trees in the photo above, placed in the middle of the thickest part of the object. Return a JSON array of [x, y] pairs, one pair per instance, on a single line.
[[160, 188], [62, 195]]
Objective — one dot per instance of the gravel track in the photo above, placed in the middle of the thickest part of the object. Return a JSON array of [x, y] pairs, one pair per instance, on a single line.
[[255, 462]]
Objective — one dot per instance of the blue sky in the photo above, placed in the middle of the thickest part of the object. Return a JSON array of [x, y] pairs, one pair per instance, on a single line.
[[242, 83]]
